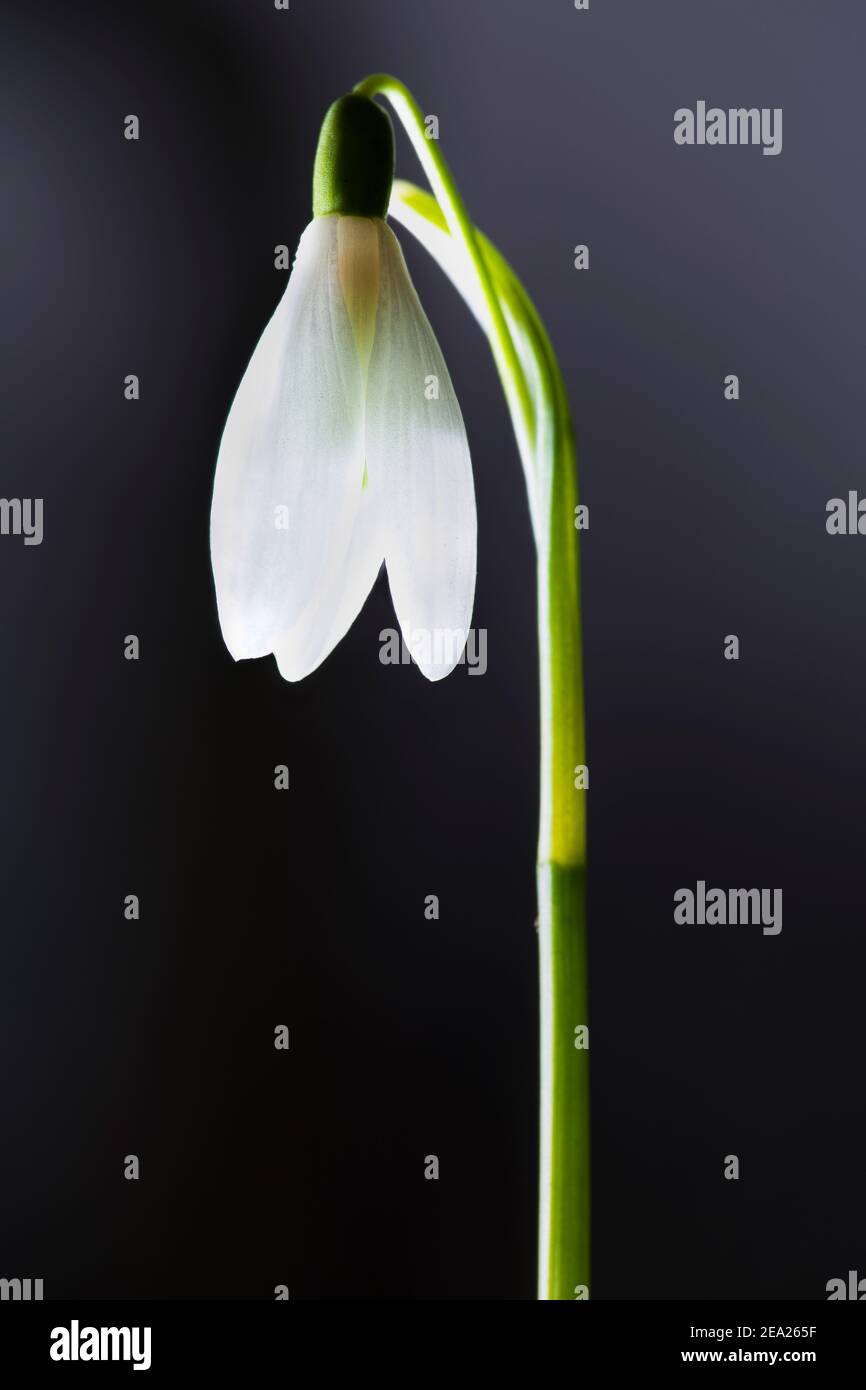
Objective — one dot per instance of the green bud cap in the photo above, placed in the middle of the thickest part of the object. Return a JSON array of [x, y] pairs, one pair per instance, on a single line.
[[354, 166]]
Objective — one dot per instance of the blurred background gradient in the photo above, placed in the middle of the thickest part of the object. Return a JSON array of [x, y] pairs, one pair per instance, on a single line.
[[707, 517]]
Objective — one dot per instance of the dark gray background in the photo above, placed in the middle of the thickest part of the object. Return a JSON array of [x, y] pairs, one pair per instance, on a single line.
[[707, 517]]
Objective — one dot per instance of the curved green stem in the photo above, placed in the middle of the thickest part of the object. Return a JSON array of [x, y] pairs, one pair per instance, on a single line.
[[538, 403], [433, 163]]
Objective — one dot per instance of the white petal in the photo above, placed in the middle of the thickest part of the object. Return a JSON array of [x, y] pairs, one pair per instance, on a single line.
[[291, 452], [451, 257], [339, 600], [418, 463]]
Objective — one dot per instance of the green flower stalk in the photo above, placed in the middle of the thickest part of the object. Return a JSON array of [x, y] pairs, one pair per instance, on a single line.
[[541, 418], [332, 460]]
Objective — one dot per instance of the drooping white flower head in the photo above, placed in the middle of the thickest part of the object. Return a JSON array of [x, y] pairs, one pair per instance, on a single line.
[[344, 447]]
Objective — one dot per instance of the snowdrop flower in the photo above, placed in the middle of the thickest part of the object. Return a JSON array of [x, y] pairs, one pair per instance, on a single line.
[[345, 446]]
